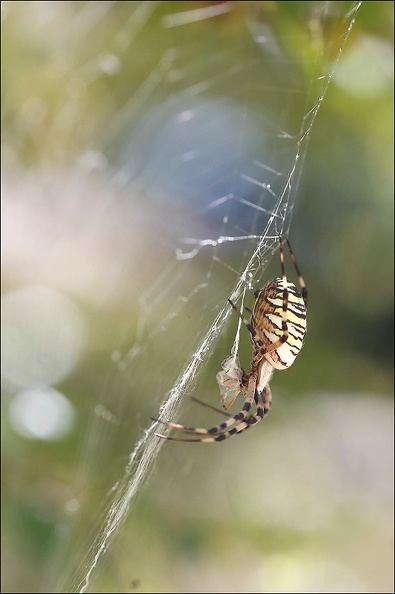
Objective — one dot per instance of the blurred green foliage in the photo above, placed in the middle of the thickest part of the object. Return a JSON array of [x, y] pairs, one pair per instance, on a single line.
[[293, 505]]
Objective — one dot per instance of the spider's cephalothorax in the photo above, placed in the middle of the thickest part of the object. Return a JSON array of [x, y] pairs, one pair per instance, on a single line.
[[277, 328]]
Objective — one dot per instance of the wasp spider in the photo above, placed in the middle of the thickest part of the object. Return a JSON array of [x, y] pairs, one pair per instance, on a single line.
[[277, 327]]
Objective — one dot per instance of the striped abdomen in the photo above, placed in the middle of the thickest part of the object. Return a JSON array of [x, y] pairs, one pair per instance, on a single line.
[[267, 320]]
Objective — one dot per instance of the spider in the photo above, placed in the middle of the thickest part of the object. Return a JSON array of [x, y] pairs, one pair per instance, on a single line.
[[277, 328]]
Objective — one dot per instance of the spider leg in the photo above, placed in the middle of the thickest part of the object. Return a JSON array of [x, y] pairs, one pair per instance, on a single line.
[[263, 406], [250, 327], [249, 398], [300, 278], [218, 410], [261, 348], [263, 402]]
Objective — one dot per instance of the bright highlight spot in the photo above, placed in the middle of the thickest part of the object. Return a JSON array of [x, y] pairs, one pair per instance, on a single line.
[[43, 336], [43, 413]]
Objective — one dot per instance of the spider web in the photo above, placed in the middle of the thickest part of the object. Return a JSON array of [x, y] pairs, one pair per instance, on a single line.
[[218, 136], [203, 160]]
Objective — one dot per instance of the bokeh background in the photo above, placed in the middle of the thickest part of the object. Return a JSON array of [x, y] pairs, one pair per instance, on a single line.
[[103, 175]]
